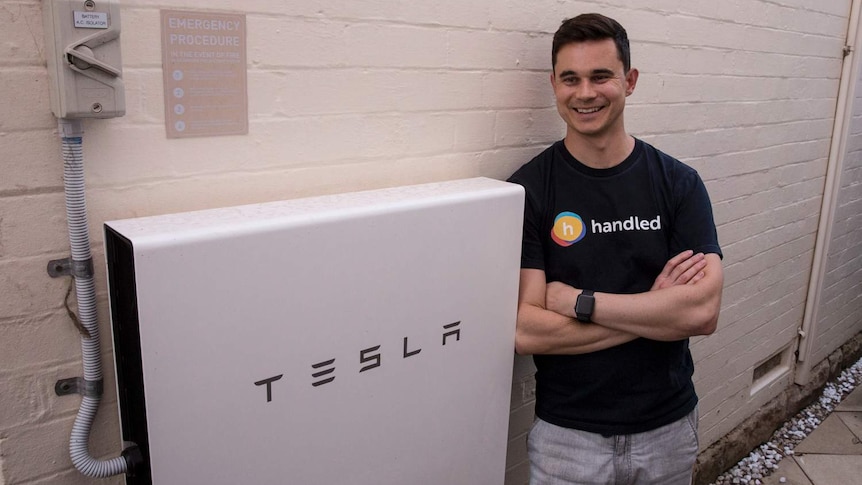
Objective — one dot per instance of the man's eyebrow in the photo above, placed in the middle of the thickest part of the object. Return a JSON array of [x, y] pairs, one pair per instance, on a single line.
[[602, 71]]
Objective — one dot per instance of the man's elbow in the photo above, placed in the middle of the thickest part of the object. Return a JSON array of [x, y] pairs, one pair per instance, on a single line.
[[705, 322], [527, 342], [706, 327], [522, 344], [703, 313], [710, 306]]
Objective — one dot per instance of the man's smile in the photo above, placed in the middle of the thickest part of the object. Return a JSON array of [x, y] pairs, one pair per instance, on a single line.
[[586, 111]]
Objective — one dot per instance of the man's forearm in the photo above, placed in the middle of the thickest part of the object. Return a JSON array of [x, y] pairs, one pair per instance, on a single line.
[[670, 314], [542, 331]]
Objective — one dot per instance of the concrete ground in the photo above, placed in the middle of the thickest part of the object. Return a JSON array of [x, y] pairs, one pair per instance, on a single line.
[[831, 454]]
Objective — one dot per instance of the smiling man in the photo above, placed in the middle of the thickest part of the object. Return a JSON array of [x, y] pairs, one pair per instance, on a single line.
[[620, 266]]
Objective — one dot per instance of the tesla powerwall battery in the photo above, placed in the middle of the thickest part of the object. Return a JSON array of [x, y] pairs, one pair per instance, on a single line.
[[362, 338]]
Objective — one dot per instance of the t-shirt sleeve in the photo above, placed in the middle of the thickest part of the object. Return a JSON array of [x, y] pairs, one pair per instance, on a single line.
[[694, 225], [532, 252]]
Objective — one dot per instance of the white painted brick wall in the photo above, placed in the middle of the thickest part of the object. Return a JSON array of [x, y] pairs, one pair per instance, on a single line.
[[347, 95]]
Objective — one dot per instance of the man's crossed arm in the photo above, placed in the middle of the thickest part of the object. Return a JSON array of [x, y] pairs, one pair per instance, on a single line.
[[684, 301]]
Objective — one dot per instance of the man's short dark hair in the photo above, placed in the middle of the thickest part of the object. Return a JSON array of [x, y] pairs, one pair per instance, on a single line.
[[592, 26]]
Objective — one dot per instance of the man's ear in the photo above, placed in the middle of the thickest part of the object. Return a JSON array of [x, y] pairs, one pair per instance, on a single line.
[[631, 81]]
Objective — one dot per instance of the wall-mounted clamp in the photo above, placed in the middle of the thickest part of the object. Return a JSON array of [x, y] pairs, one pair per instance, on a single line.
[[70, 267], [75, 269], [78, 385]]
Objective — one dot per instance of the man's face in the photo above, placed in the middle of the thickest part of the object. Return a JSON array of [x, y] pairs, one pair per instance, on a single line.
[[591, 87]]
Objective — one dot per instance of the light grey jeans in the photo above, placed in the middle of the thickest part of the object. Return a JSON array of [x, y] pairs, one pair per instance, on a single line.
[[563, 456]]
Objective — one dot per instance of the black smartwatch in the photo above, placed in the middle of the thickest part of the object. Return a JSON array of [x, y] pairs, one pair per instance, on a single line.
[[584, 306]]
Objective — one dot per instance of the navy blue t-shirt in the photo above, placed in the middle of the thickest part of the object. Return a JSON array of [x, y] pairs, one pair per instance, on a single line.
[[612, 230]]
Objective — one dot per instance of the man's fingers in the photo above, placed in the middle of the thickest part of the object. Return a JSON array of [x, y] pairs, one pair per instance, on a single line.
[[695, 272], [670, 266], [697, 277], [685, 270], [675, 261]]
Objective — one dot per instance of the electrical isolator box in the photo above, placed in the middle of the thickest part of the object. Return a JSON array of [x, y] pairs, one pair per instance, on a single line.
[[82, 47]]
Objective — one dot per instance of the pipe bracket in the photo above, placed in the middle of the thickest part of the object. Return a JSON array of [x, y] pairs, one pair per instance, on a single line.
[[70, 267], [78, 385]]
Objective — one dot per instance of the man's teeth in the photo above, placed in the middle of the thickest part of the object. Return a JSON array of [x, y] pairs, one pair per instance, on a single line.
[[587, 110]]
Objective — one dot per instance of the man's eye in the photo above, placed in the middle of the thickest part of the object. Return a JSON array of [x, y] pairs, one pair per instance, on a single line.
[[570, 80], [601, 79]]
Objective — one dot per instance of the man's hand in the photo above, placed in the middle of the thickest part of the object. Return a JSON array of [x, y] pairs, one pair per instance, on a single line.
[[683, 269]]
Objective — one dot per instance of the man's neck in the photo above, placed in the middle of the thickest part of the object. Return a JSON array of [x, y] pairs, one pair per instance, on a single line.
[[600, 152]]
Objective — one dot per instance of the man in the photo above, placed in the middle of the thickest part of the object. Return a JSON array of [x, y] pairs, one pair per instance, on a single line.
[[620, 266]]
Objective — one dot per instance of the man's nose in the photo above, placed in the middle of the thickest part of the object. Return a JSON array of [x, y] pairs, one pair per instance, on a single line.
[[585, 90]]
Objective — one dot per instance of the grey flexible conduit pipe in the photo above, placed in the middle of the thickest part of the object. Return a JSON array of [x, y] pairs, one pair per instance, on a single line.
[[71, 132]]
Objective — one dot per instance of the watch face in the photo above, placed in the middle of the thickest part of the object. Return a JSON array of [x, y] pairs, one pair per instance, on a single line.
[[584, 307]]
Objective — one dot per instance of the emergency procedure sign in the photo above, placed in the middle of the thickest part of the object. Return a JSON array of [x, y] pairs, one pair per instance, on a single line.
[[204, 72]]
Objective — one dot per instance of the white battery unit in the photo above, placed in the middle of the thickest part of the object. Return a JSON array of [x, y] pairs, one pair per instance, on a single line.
[[361, 338]]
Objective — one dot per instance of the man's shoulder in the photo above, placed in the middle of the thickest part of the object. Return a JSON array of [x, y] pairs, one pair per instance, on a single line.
[[668, 164]]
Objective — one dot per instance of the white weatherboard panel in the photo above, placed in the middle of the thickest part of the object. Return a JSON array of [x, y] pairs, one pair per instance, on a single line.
[[406, 296]]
